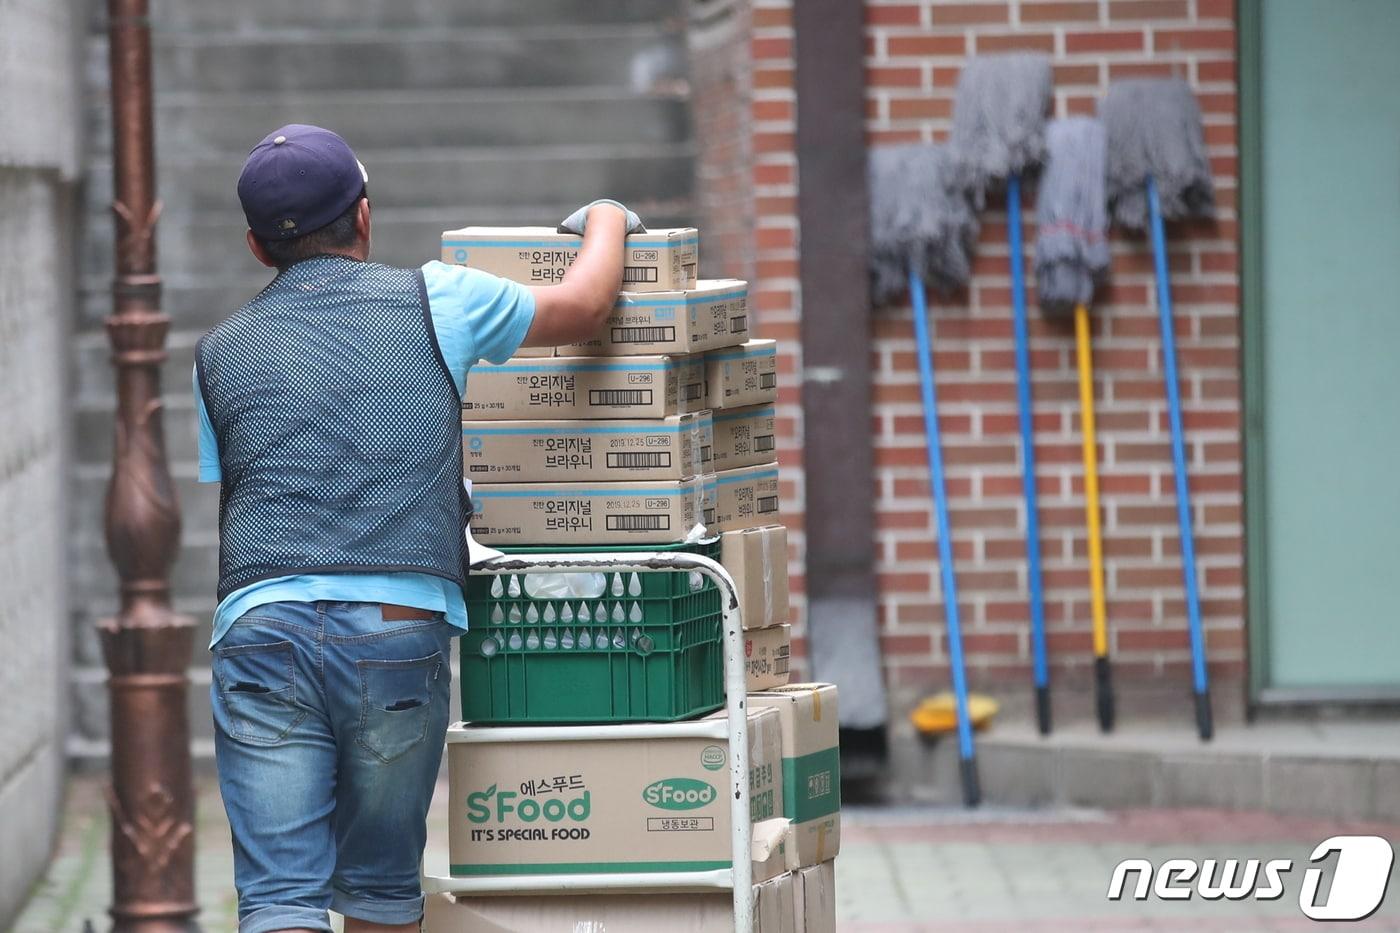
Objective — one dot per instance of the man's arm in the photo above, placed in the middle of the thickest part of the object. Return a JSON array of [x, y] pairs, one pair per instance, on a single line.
[[578, 307]]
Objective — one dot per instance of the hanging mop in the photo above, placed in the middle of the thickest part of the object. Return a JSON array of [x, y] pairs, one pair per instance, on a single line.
[[1071, 257], [1157, 168], [922, 229], [998, 134]]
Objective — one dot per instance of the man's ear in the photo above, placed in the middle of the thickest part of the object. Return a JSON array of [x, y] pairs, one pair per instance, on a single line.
[[362, 224], [260, 254]]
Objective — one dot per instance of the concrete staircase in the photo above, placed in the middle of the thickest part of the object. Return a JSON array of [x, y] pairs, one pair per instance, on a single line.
[[488, 112]]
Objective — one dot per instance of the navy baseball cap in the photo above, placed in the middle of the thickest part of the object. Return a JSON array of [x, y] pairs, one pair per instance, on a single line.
[[298, 180]]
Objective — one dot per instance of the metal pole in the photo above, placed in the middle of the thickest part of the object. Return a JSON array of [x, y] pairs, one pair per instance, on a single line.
[[147, 646]]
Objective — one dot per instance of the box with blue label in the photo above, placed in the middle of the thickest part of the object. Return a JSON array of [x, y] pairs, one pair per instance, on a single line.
[[743, 498], [653, 799], [568, 387], [634, 512], [582, 451], [655, 261], [714, 314], [743, 436], [741, 376]]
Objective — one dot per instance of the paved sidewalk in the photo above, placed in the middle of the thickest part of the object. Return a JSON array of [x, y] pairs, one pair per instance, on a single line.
[[901, 870]]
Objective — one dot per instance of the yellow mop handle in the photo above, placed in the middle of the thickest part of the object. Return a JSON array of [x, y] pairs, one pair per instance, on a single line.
[[1091, 478]]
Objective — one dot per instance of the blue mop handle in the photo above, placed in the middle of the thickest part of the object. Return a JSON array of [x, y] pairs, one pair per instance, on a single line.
[[1183, 495], [1028, 472], [971, 790]]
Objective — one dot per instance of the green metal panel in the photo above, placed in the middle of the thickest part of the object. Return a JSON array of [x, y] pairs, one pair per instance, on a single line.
[[1323, 337]]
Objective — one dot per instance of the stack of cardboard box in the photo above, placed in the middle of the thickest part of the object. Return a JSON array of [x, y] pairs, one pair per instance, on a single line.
[[657, 431]]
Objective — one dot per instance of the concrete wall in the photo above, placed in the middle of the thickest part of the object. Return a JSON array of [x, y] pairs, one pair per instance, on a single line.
[[38, 168]]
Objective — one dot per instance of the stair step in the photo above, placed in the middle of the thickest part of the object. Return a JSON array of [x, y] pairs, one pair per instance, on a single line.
[[637, 58], [410, 178], [265, 16], [211, 124]]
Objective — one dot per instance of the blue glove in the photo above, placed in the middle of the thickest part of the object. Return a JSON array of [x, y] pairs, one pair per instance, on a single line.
[[575, 222]]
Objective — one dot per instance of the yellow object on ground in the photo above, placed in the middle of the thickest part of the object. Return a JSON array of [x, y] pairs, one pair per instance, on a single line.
[[939, 713]]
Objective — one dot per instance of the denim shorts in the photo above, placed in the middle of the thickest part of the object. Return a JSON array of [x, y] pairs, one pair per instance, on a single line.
[[328, 729]]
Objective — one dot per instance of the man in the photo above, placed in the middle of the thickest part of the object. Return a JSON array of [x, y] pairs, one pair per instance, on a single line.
[[330, 413]]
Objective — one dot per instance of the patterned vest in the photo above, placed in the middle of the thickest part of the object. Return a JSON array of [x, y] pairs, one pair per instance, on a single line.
[[339, 428]]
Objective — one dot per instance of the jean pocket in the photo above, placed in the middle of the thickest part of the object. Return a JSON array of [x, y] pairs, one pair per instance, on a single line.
[[257, 685], [397, 701]]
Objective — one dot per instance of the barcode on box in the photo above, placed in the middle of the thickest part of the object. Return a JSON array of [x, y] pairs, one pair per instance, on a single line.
[[767, 380], [619, 397], [640, 460], [705, 454], [639, 522], [767, 504], [708, 517], [739, 325], [639, 274], [763, 442], [688, 269], [693, 391], [643, 334]]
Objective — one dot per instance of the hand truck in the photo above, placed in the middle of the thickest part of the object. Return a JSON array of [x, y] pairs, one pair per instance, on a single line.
[[733, 729]]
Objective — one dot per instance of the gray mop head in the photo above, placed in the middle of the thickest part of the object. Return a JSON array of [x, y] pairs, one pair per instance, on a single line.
[[919, 216], [999, 116], [1071, 248], [1154, 128]]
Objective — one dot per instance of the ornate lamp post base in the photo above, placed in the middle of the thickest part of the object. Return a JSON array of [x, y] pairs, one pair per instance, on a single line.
[[147, 646]]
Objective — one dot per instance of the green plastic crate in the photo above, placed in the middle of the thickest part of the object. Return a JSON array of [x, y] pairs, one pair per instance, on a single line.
[[658, 657]]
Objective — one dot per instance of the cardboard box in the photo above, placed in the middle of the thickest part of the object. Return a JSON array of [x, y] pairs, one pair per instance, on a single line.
[[655, 261], [746, 375], [715, 313], [532, 352], [709, 499], [743, 436], [775, 911], [602, 805], [811, 768], [637, 512], [814, 893], [581, 451], [767, 652], [569, 387], [757, 560], [745, 498]]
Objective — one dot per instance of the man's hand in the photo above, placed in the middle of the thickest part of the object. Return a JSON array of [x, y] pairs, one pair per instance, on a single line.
[[578, 307], [577, 222]]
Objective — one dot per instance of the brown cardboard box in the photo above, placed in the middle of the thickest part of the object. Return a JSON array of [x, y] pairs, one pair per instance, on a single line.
[[636, 512], [814, 892], [744, 436], [581, 451], [746, 375], [767, 652], [775, 911], [533, 352], [757, 560], [568, 387], [655, 261], [811, 768], [745, 498], [601, 805], [711, 315]]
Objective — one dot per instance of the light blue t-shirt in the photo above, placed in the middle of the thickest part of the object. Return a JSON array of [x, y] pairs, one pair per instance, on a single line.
[[477, 316]]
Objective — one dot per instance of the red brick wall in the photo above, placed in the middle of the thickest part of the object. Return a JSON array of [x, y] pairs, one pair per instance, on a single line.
[[914, 51]]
